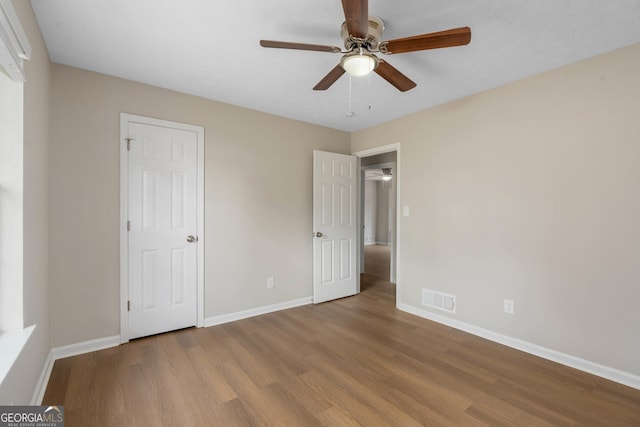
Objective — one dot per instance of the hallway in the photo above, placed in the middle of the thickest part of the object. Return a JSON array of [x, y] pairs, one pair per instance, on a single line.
[[377, 261]]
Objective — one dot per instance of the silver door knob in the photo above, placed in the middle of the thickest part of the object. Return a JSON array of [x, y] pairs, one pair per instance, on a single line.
[[192, 239], [318, 234]]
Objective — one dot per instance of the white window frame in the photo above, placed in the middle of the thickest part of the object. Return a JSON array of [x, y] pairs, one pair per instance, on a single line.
[[14, 46]]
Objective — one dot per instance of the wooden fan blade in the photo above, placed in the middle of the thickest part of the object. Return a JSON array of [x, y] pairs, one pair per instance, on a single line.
[[299, 46], [356, 13], [393, 76], [448, 38], [330, 78]]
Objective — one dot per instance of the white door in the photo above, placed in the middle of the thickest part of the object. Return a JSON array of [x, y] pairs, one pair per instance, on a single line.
[[162, 236], [334, 226]]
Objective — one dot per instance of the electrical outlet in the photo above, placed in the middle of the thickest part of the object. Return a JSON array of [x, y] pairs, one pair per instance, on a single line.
[[508, 306], [269, 282]]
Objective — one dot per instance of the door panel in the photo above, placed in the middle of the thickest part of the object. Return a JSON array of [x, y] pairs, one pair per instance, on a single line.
[[334, 216], [162, 203], [345, 259]]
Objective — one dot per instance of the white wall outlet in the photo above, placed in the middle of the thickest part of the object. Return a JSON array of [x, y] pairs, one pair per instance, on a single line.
[[405, 211], [269, 282], [508, 306]]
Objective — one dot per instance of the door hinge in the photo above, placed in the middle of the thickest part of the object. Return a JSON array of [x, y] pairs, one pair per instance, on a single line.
[[128, 305], [128, 143], [128, 225]]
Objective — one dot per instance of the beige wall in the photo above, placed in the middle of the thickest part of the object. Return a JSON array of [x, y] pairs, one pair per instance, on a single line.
[[257, 199], [530, 192], [19, 385]]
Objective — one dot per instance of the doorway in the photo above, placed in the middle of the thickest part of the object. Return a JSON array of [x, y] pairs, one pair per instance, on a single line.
[[380, 252], [379, 214]]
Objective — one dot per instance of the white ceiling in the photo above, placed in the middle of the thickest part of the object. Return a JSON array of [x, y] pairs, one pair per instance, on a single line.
[[210, 48]]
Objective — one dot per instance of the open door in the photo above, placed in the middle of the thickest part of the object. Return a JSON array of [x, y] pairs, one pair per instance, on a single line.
[[334, 226]]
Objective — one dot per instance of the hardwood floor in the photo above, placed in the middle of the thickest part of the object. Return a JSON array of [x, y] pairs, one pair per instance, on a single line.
[[377, 261], [355, 361]]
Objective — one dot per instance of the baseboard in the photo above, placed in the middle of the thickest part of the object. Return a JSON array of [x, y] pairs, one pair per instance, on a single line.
[[225, 318], [383, 243], [43, 381], [85, 347], [607, 372], [68, 351]]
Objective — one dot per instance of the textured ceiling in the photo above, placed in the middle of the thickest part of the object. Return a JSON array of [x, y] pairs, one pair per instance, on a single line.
[[210, 48]]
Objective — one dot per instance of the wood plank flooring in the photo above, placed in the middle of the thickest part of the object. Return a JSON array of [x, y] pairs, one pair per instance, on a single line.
[[352, 362], [377, 261]]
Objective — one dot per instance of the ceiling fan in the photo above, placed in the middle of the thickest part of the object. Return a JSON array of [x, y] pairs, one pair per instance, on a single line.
[[361, 34], [383, 174]]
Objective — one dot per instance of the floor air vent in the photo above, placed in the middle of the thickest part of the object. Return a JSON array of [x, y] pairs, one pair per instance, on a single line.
[[439, 300]]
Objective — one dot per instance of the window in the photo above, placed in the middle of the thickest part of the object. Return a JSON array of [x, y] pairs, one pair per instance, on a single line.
[[14, 48], [10, 204]]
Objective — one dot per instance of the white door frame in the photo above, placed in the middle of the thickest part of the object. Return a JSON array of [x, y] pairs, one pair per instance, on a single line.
[[125, 119], [396, 176]]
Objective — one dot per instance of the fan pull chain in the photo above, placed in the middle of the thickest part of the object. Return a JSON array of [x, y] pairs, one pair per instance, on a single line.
[[349, 112], [369, 88], [350, 94]]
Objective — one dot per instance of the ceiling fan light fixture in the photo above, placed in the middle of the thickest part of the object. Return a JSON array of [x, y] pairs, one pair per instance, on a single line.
[[359, 63]]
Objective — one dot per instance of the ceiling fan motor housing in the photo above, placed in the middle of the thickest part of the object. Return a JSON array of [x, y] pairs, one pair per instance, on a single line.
[[376, 27]]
